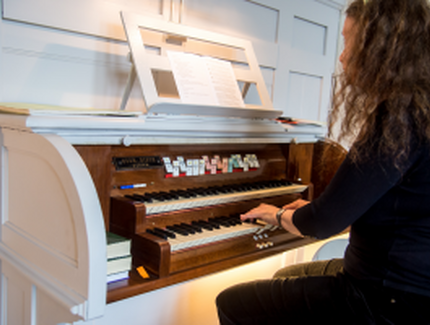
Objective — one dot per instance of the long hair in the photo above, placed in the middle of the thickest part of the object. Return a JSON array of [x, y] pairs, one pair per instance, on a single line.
[[384, 96]]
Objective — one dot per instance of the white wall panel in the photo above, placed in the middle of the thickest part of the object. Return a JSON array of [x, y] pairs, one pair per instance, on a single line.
[[299, 87], [311, 38], [242, 18], [95, 17], [46, 66], [307, 43], [337, 4]]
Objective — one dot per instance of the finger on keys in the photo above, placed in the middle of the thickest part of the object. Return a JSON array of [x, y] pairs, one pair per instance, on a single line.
[[264, 212]]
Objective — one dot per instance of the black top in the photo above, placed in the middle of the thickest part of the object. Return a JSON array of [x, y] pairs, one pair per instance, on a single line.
[[389, 213]]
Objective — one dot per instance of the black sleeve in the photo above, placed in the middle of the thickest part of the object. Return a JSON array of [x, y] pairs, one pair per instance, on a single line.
[[352, 191]]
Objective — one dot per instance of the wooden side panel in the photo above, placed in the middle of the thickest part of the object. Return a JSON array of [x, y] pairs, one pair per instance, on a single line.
[[152, 252], [300, 163], [98, 161], [328, 156]]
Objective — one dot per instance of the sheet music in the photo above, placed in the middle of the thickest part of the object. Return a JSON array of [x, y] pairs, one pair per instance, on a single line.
[[205, 80], [43, 110]]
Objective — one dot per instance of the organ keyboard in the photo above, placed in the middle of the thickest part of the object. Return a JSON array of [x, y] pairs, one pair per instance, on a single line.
[[198, 197], [186, 236]]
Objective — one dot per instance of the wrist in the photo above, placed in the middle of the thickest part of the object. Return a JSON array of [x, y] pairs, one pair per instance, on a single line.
[[279, 214]]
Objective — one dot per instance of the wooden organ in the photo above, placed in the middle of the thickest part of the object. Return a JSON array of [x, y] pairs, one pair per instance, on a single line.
[[60, 194], [209, 203]]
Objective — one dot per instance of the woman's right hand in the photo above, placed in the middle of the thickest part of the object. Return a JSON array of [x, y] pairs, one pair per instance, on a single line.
[[296, 204]]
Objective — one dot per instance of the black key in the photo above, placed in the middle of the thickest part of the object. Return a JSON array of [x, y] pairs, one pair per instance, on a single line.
[[254, 186], [180, 194], [286, 183], [227, 220], [219, 222], [166, 232], [178, 230], [186, 228], [213, 223], [170, 195], [234, 221], [136, 197], [151, 194], [156, 233], [241, 188], [194, 227], [163, 196], [277, 183], [203, 224], [224, 190], [218, 190], [204, 192], [131, 197], [247, 187], [273, 184], [155, 196], [237, 219], [143, 198], [190, 192]]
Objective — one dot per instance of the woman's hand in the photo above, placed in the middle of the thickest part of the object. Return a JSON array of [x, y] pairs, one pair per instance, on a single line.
[[267, 213], [296, 204], [264, 212]]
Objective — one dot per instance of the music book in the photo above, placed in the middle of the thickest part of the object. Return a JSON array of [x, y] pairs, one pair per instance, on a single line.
[[118, 264], [117, 276], [205, 80], [117, 246]]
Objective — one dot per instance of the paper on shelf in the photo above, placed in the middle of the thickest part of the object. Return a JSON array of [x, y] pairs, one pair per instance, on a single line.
[[205, 80], [37, 109]]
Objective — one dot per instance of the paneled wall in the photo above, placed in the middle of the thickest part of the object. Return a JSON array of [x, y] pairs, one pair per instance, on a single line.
[[73, 53]]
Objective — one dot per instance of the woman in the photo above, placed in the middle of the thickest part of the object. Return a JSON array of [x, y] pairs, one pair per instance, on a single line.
[[382, 189]]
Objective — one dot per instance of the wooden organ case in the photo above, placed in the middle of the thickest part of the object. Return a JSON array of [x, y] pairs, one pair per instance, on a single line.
[[75, 171], [219, 195]]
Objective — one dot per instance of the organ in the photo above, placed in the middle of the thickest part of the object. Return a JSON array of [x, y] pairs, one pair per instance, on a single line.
[[68, 177], [149, 213], [59, 196]]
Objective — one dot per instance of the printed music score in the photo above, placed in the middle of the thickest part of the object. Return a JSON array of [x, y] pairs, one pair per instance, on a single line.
[[205, 80]]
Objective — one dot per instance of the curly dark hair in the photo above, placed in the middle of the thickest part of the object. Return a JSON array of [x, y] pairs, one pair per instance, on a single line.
[[385, 94]]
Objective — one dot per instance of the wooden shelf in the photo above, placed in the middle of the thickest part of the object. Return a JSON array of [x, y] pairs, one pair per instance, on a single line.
[[136, 285]]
